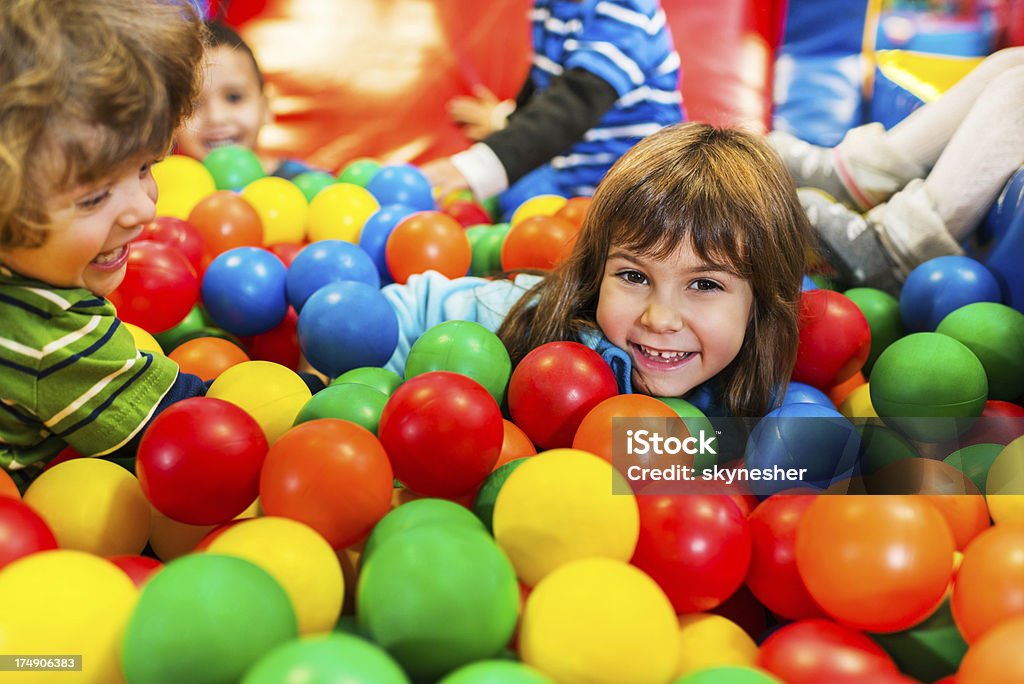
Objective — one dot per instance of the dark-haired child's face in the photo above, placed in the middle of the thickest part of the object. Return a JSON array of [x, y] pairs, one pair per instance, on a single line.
[[680, 319], [231, 109]]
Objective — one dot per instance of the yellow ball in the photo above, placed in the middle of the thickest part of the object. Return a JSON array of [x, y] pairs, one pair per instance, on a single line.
[[182, 182], [558, 507], [143, 340], [858, 403], [600, 620], [541, 205], [282, 208], [92, 505], [65, 602], [707, 640], [1004, 485], [339, 211], [171, 539], [298, 558], [269, 392]]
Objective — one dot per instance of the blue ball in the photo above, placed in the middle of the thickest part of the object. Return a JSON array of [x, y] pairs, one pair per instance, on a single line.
[[940, 286], [376, 231], [802, 393], [402, 184], [808, 284], [803, 435], [327, 261], [347, 325], [243, 291]]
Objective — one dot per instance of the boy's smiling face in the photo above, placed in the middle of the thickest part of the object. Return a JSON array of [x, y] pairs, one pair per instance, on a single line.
[[231, 108], [86, 244]]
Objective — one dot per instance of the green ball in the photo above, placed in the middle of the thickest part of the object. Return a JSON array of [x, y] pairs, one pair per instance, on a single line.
[[929, 650], [492, 247], [483, 503], [380, 379], [974, 461], [882, 311], [486, 242], [312, 182], [923, 383], [696, 422], [360, 404], [205, 618], [418, 513], [462, 347], [727, 674], [195, 320], [233, 167], [332, 659], [437, 598], [995, 333], [359, 172], [496, 672], [881, 447]]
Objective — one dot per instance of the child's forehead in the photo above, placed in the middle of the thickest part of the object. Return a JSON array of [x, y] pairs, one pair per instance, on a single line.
[[225, 61]]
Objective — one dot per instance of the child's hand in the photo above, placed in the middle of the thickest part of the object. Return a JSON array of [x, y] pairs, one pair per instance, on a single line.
[[444, 177], [480, 114]]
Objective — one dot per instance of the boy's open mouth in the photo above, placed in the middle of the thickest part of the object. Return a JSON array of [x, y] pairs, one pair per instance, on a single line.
[[113, 259]]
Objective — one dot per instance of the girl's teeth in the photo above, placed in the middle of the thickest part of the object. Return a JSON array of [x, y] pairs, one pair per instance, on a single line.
[[671, 356]]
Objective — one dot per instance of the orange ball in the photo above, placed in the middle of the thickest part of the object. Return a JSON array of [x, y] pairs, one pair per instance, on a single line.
[[989, 587], [538, 242], [428, 240], [966, 515], [996, 657], [8, 488], [875, 563], [595, 431], [515, 444], [207, 357], [575, 210], [226, 220]]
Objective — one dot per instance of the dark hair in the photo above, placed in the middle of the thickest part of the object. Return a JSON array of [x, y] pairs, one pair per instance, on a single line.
[[725, 192], [222, 35]]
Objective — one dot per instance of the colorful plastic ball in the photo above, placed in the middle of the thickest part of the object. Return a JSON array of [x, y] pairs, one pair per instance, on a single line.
[[312, 182], [966, 514], [575, 210], [898, 546], [233, 167], [7, 486], [487, 495], [596, 433], [496, 672], [727, 674], [997, 656], [696, 547], [541, 205], [244, 291], [278, 345], [269, 392], [346, 325], [814, 651], [181, 235], [282, 208], [66, 602], [486, 242], [92, 505], [22, 531], [857, 403], [193, 322], [298, 558], [359, 171], [205, 618], [974, 461], [989, 587], [433, 621], [332, 475], [199, 461], [143, 340], [138, 568], [443, 433], [329, 658], [708, 641], [600, 620], [376, 231], [924, 384], [515, 444], [207, 357], [542, 523], [1000, 423], [927, 651], [159, 288], [182, 182], [402, 184], [835, 339], [696, 422], [939, 286], [428, 240], [463, 347], [802, 393], [382, 379], [339, 211], [285, 251], [467, 213], [324, 262], [418, 513], [225, 220], [360, 404], [882, 312], [554, 387], [539, 242], [995, 333]]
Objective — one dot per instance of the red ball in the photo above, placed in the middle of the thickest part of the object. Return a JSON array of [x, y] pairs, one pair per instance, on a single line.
[[138, 568], [773, 576], [226, 220], [428, 240], [746, 611], [554, 387], [179, 234], [286, 251], [22, 531], [834, 339], [280, 344], [330, 474], [159, 289], [815, 651], [467, 213], [443, 433], [538, 242], [199, 461], [696, 547]]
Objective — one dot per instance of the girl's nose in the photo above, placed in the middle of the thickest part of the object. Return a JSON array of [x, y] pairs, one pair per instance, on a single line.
[[662, 317]]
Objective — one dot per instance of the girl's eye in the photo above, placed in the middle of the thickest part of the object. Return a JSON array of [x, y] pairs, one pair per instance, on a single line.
[[234, 98], [705, 285], [93, 201], [634, 277]]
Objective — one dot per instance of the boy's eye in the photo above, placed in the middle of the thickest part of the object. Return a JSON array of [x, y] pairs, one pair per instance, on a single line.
[[635, 277], [234, 98], [705, 285], [146, 169], [92, 201]]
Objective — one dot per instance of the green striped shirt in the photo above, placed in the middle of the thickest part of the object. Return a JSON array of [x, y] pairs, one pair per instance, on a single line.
[[70, 374]]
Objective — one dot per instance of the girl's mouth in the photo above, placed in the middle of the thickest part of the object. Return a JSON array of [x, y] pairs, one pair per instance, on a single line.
[[664, 360]]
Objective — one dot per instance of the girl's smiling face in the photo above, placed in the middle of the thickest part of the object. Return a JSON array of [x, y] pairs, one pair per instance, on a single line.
[[680, 319]]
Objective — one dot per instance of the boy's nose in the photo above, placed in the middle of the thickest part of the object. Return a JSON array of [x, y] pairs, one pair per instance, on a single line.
[[141, 205]]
